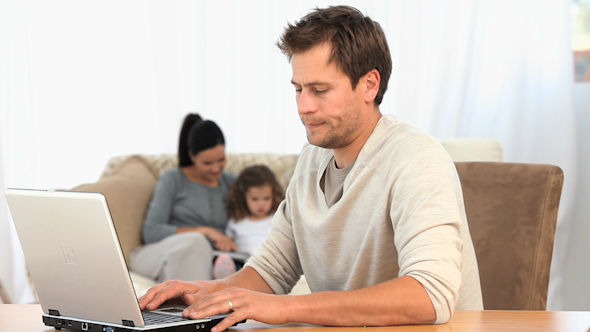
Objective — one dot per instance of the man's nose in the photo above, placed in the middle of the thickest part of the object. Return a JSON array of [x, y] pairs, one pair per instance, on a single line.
[[306, 103]]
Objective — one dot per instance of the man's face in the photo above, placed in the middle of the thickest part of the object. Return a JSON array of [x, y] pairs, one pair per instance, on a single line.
[[328, 105]]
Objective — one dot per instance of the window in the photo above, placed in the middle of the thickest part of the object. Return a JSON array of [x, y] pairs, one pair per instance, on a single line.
[[581, 39]]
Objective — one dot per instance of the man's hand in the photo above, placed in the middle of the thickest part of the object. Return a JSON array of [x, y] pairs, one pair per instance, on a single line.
[[246, 304], [206, 298], [203, 301], [187, 291]]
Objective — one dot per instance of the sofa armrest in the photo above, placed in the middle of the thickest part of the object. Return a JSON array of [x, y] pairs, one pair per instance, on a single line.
[[128, 190]]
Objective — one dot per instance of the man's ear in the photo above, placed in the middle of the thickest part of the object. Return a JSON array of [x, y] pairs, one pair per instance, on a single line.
[[372, 80]]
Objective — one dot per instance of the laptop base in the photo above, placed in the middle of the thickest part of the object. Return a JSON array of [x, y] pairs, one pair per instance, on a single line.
[[70, 324]]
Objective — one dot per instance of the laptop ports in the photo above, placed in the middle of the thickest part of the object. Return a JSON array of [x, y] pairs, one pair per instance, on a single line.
[[84, 326]]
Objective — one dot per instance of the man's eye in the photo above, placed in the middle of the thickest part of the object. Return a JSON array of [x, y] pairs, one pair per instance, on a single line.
[[319, 92]]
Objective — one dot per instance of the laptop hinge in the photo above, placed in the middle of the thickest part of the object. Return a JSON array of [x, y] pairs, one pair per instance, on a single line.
[[128, 323], [54, 312]]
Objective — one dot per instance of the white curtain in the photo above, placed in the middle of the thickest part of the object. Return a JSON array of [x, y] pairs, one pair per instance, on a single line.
[[14, 95], [499, 69], [81, 82]]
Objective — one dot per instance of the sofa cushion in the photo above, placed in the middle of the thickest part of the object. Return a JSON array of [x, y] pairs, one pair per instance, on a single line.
[[128, 190], [473, 148], [158, 162], [282, 165]]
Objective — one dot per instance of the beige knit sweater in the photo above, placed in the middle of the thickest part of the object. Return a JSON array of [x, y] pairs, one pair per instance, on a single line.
[[401, 214]]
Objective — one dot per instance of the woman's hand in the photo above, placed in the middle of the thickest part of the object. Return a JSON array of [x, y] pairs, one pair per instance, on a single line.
[[221, 241]]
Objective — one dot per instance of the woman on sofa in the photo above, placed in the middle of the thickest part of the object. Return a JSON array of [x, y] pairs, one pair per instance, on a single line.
[[187, 216]]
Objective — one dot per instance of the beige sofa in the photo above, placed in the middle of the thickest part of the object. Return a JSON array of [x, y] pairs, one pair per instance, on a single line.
[[128, 183]]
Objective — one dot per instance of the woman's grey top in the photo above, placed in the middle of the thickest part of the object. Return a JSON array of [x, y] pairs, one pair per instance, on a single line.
[[181, 202]]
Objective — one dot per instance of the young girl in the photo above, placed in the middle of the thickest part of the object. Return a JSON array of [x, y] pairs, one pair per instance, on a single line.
[[252, 202]]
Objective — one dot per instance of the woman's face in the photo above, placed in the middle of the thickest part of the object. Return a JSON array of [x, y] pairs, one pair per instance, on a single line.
[[208, 164]]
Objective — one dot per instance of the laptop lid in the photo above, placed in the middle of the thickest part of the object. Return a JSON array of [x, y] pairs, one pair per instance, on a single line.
[[74, 257]]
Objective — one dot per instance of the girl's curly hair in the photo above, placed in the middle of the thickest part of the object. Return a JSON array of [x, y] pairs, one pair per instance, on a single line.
[[253, 176]]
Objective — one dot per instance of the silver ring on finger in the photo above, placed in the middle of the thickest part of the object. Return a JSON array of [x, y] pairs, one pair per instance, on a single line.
[[231, 305]]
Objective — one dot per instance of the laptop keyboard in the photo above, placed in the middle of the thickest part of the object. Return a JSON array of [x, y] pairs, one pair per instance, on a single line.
[[153, 318]]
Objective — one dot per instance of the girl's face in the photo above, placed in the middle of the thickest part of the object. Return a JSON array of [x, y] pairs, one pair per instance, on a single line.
[[259, 201], [208, 164]]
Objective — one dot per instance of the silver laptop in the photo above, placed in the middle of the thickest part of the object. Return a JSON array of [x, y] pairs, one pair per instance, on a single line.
[[77, 266]]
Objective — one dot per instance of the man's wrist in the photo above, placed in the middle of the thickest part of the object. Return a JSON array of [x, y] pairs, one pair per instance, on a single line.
[[292, 308], [215, 286]]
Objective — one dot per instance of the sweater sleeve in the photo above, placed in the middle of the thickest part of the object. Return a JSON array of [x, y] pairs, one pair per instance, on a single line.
[[427, 225], [156, 226], [276, 259]]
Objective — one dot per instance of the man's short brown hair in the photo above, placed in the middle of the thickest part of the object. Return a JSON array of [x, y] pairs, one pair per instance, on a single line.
[[358, 43]]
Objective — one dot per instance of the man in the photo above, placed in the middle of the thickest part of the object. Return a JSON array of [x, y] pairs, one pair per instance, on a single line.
[[373, 215]]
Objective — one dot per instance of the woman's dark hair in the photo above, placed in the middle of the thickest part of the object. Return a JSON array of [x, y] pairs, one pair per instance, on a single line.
[[189, 121], [253, 176], [197, 135]]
